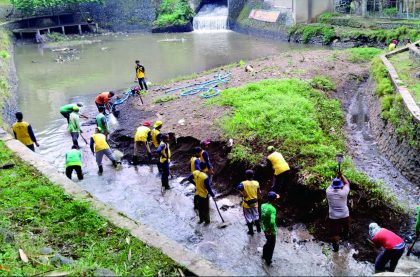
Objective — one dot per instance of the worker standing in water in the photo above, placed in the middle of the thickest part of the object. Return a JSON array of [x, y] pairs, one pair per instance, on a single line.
[[141, 140], [74, 162], [280, 167], [99, 147], [250, 191], [269, 226], [194, 165], [74, 125], [23, 132], [66, 110], [164, 153], [140, 71], [102, 100], [204, 157], [102, 122]]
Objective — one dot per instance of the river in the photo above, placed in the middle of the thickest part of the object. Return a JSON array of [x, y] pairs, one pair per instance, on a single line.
[[50, 79]]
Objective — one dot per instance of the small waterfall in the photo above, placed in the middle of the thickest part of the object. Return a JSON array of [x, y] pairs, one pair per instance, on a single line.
[[211, 18]]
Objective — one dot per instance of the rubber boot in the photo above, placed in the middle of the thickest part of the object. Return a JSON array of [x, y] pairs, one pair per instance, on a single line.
[[135, 160], [114, 163], [250, 229], [101, 169], [335, 246], [258, 225]]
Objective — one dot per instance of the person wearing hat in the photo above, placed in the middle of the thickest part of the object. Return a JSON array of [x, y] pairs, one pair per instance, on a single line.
[[204, 157], [102, 122], [74, 125], [141, 140], [102, 100], [269, 226], [157, 138], [100, 147], [339, 215], [280, 167], [23, 132], [164, 153], [250, 191], [66, 110], [140, 75], [392, 244], [74, 162], [194, 165]]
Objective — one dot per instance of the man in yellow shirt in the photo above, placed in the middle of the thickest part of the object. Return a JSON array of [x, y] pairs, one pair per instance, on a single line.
[[140, 75], [142, 139], [250, 191], [23, 132], [280, 168], [99, 147]]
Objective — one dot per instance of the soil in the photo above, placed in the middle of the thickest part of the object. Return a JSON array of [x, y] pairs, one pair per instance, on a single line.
[[301, 203]]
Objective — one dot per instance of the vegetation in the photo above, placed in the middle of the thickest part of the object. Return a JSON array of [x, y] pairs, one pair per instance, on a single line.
[[326, 17], [173, 13], [390, 12], [4, 69], [165, 99], [37, 214], [322, 83], [312, 30], [362, 54], [29, 7], [56, 37], [393, 108]]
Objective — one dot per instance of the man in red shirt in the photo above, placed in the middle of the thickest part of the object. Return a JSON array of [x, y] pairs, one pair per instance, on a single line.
[[102, 100], [393, 244]]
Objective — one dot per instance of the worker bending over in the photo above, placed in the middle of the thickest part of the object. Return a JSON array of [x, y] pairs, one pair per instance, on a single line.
[[23, 132], [74, 125], [99, 148], [164, 153], [250, 191], [102, 122], [66, 110], [141, 140], [280, 167], [74, 162], [102, 100]]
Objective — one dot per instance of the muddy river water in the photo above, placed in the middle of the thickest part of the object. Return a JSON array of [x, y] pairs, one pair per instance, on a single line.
[[49, 79]]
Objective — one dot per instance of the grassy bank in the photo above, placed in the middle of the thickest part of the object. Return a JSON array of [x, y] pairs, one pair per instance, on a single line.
[[4, 69], [301, 121], [38, 214]]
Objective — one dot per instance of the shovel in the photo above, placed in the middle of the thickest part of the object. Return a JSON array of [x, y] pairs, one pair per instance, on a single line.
[[84, 139], [411, 248], [223, 224]]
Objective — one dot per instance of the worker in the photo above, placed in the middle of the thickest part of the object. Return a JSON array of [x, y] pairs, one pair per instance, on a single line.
[[142, 139], [102, 100], [339, 216], [164, 153], [393, 45], [102, 122], [140, 75], [204, 157], [269, 226], [156, 134], [66, 110], [74, 162], [100, 147], [194, 165], [74, 125], [393, 245], [280, 167], [408, 42], [418, 222], [23, 132], [250, 191]]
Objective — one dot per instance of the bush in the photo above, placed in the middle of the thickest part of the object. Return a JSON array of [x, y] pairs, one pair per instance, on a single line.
[[56, 37], [173, 12], [312, 30], [323, 83], [326, 17], [364, 54], [4, 54], [391, 12]]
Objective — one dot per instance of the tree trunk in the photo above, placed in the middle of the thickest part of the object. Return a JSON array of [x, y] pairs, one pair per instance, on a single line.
[[364, 8]]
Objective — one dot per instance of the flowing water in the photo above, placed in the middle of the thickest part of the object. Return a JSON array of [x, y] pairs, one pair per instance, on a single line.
[[50, 79], [211, 17]]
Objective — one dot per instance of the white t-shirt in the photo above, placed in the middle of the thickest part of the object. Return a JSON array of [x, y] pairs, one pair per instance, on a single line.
[[337, 202]]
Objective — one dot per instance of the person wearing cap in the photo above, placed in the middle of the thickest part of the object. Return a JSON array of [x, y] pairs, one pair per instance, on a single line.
[[250, 191], [280, 167], [102, 100], [392, 244], [74, 125], [74, 162], [23, 132], [339, 215], [142, 139], [164, 158], [102, 122], [393, 45], [204, 157], [66, 110], [194, 165], [100, 147], [157, 138], [140, 75], [269, 226]]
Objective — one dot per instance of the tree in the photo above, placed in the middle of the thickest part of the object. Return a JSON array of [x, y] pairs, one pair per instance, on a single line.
[[29, 7]]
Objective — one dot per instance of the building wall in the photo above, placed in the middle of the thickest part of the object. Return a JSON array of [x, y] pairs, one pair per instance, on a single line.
[[306, 11]]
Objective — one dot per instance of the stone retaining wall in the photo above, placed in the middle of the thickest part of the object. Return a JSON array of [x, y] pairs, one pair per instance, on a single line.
[[176, 252]]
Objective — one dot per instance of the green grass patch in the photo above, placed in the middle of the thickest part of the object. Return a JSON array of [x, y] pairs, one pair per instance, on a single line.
[[36, 213], [5, 44], [308, 31], [323, 83], [164, 99], [362, 54], [173, 12]]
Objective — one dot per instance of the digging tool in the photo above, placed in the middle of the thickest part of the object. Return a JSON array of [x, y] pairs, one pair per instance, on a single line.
[[84, 139], [339, 158], [412, 246], [84, 116], [223, 224]]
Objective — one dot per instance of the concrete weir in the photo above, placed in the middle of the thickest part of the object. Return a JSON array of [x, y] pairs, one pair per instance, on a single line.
[[181, 255]]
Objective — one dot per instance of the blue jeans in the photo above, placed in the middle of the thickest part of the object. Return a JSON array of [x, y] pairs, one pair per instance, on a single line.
[[388, 255]]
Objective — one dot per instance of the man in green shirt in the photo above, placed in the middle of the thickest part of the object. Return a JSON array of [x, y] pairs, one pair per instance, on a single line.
[[269, 226], [102, 122], [74, 125], [74, 162], [418, 221], [66, 110]]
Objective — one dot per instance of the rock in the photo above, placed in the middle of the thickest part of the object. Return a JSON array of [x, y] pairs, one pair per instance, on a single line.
[[103, 272], [58, 259], [46, 251], [43, 260]]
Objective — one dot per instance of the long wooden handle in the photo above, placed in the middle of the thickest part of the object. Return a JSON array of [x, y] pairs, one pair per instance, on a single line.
[[218, 210], [411, 248]]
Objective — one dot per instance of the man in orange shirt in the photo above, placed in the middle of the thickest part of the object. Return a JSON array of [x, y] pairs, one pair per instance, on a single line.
[[102, 100]]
